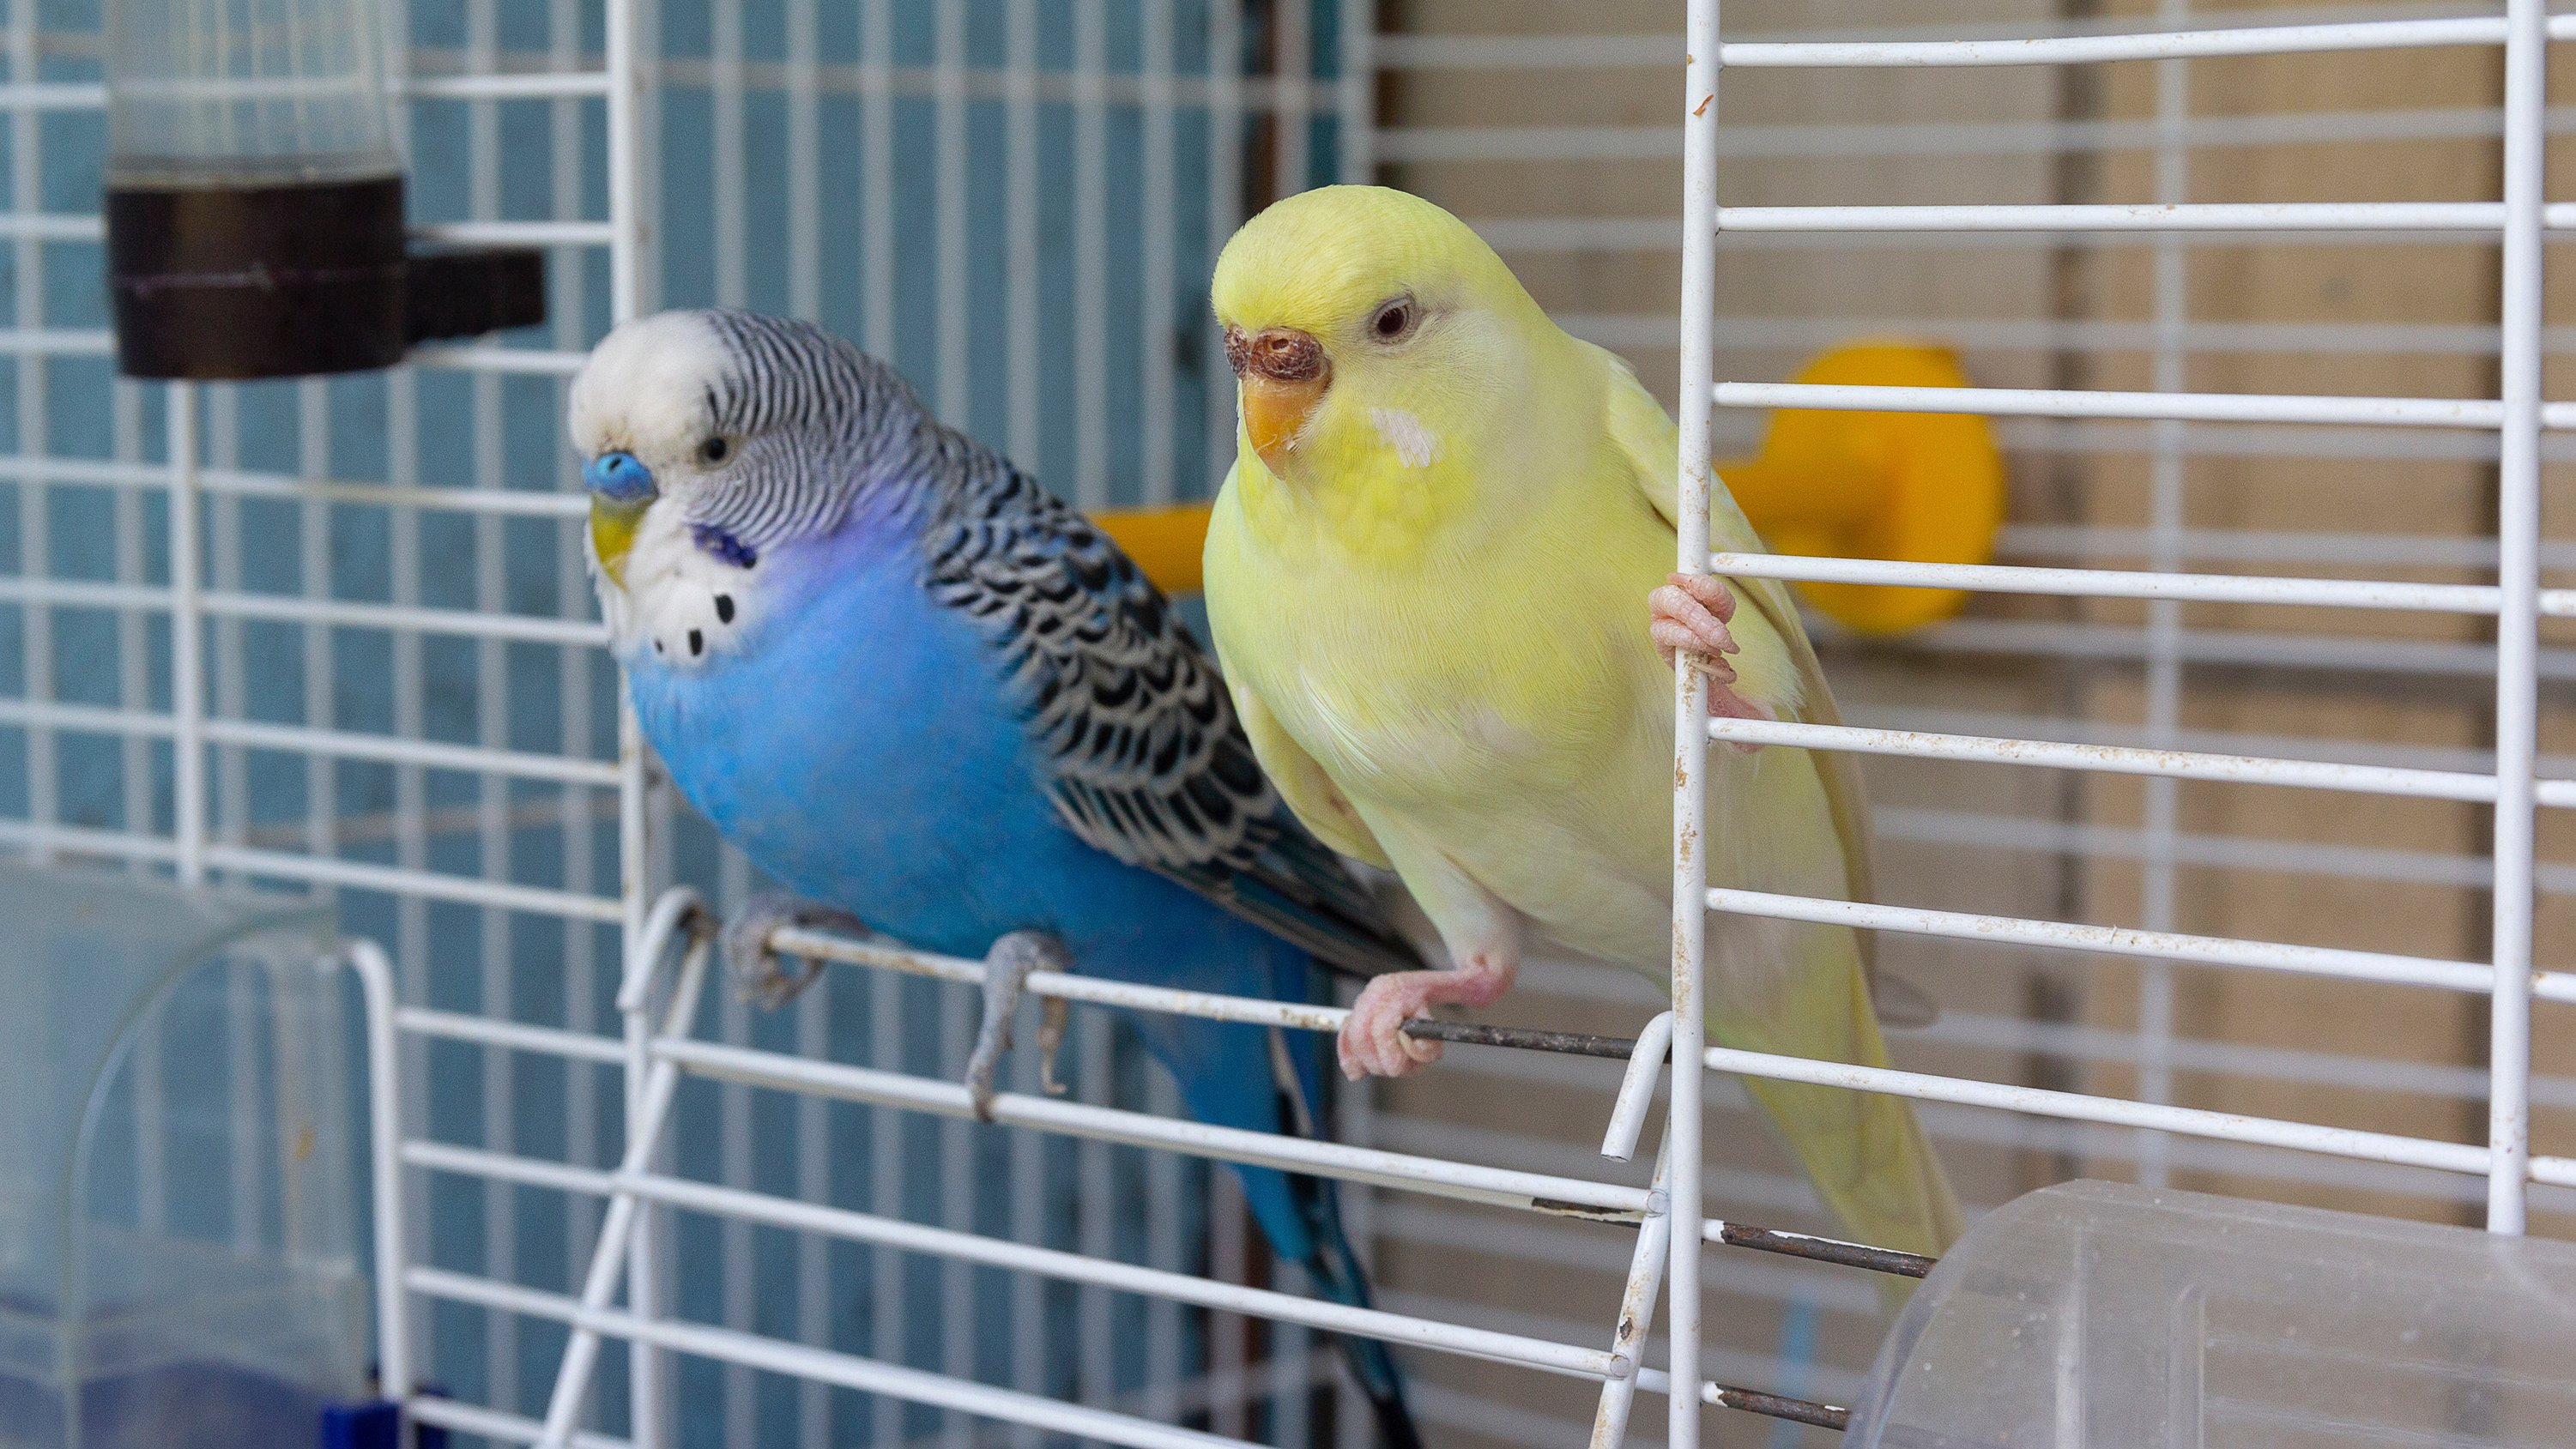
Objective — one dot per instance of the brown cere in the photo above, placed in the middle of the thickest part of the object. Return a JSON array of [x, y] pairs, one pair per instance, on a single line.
[[1282, 354]]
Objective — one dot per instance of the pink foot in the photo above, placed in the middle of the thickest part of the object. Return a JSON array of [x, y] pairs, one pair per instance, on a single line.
[[1690, 614], [1373, 1042]]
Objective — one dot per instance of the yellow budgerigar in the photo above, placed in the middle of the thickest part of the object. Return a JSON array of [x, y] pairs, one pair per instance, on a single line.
[[1425, 576]]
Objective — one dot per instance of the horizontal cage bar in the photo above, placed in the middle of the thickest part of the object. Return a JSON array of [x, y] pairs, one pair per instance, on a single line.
[[2113, 759], [2281, 216], [2090, 583], [467, 1418], [516, 1035], [858, 1227], [2378, 967], [2146, 45], [2201, 407], [1498, 1186], [2110, 1111], [848, 1371]]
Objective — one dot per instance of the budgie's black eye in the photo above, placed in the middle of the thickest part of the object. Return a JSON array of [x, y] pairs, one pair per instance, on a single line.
[[1394, 320], [714, 450]]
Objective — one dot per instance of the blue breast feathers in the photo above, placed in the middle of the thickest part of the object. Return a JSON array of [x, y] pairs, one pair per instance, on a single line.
[[866, 749]]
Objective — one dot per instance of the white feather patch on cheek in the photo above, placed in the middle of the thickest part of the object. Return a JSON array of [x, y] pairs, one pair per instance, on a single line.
[[1413, 442], [679, 603]]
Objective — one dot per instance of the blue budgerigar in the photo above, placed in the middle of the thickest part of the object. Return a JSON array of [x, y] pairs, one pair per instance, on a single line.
[[927, 696]]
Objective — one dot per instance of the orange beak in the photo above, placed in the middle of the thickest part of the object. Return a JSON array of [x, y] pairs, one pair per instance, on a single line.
[[1285, 374]]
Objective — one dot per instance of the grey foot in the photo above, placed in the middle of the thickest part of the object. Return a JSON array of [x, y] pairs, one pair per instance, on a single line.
[[758, 972], [1006, 973]]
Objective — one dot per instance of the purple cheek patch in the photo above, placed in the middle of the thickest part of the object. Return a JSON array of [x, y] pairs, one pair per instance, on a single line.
[[722, 546]]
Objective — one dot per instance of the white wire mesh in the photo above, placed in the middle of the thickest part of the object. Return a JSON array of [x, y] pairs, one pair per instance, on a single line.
[[387, 684]]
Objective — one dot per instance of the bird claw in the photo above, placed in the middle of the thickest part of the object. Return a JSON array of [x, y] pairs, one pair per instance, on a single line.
[[1054, 1015], [1688, 625], [1006, 973], [1373, 1042], [757, 970], [1687, 621]]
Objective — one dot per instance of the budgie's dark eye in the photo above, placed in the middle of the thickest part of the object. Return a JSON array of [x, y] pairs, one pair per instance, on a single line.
[[1393, 321], [714, 450]]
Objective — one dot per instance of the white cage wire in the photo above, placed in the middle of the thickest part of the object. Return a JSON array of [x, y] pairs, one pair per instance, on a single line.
[[497, 857]]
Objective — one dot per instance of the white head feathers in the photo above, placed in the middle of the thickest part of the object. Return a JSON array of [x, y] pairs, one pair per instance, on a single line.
[[649, 389]]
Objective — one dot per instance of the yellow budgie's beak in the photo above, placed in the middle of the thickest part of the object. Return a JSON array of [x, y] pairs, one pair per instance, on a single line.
[[1284, 374], [621, 489]]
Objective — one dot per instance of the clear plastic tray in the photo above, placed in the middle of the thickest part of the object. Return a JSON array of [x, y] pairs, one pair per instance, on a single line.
[[2099, 1316]]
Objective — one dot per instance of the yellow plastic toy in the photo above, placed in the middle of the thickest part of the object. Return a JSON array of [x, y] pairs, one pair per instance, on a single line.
[[1167, 543], [1922, 487]]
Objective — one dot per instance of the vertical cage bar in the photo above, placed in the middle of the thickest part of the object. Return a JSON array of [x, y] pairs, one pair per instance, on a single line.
[[1020, 225], [955, 394], [1292, 90], [2517, 619], [729, 163], [573, 600], [1021, 384], [1095, 1213], [1357, 104], [410, 954], [35, 544], [1229, 1335], [953, 386], [394, 1366], [886, 1288], [134, 694], [625, 200], [815, 1280], [734, 1146], [876, 176], [626, 81], [1355, 1114], [1357, 101], [1163, 1250], [804, 164], [1091, 252], [133, 646], [1690, 714], [492, 727], [1225, 208], [727, 153], [1157, 318], [220, 515], [187, 629], [229, 816], [2164, 616], [956, 1344], [814, 1277], [313, 566]]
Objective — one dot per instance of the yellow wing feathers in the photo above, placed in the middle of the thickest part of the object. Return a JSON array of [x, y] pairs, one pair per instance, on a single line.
[[1310, 793]]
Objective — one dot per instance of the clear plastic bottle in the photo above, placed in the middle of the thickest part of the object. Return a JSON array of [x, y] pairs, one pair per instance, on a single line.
[[254, 200], [246, 93]]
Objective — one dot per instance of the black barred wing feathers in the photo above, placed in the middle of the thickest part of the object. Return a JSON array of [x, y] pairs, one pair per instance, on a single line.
[[1144, 757]]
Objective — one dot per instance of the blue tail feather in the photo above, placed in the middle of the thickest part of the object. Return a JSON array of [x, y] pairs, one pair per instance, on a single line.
[[1302, 1218]]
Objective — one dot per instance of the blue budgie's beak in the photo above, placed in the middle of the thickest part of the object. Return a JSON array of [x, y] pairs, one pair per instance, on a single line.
[[621, 488]]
